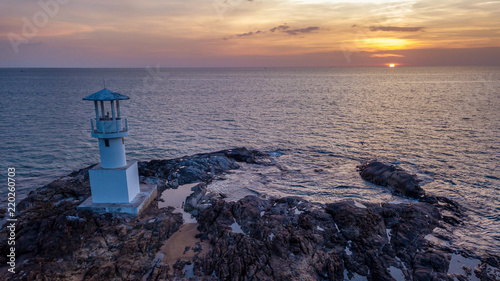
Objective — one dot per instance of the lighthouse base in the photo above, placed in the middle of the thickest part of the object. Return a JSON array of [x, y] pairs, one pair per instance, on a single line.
[[119, 185], [146, 195]]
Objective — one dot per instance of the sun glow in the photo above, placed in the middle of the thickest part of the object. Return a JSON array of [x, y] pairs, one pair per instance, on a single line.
[[392, 65], [386, 55], [384, 43]]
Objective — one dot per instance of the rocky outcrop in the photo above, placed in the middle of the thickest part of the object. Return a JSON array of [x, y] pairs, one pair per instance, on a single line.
[[250, 239], [55, 241], [291, 239], [203, 167], [402, 183], [399, 181]]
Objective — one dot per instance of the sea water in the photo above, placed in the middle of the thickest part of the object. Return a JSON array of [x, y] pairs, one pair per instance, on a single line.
[[441, 123]]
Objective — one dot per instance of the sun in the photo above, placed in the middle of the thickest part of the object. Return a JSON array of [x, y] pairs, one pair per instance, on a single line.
[[392, 65]]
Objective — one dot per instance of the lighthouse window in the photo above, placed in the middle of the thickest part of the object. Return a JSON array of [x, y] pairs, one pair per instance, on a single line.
[[123, 140], [106, 142]]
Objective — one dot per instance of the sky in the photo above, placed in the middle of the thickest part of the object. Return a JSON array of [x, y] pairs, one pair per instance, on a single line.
[[248, 33]]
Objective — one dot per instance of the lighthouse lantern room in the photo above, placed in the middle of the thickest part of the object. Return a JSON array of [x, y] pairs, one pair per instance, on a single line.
[[114, 182], [109, 129]]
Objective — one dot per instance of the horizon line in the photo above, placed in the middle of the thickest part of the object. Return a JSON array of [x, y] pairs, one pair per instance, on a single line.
[[211, 67]]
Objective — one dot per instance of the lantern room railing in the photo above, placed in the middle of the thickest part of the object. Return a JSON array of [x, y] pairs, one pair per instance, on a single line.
[[109, 126]]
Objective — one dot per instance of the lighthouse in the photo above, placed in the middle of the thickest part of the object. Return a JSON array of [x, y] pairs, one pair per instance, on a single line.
[[114, 182]]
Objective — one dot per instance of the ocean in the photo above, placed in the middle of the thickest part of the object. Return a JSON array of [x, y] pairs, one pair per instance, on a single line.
[[440, 123]]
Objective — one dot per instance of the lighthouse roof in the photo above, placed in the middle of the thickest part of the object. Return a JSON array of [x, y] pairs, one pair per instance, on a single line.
[[106, 95]]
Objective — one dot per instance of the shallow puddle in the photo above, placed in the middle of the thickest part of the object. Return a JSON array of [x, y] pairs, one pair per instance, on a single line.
[[456, 266], [177, 198]]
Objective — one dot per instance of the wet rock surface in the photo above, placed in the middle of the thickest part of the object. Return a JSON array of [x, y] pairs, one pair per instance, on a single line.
[[404, 184], [203, 167], [253, 238], [55, 241], [398, 180], [291, 239]]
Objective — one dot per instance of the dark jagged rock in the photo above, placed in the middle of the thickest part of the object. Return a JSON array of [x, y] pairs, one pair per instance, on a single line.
[[291, 239], [200, 167], [242, 154], [399, 181], [56, 241], [251, 239], [402, 183]]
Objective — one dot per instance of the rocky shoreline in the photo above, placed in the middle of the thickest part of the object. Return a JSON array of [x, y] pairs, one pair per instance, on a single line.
[[253, 238]]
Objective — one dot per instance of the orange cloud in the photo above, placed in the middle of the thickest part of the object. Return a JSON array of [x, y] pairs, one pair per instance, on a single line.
[[386, 55]]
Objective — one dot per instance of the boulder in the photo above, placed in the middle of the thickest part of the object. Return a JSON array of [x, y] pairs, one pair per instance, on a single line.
[[399, 181]]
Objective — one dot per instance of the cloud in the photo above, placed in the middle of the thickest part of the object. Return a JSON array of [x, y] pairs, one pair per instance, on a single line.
[[283, 28], [386, 55], [279, 28], [94, 32], [245, 34], [302, 30], [396, 28]]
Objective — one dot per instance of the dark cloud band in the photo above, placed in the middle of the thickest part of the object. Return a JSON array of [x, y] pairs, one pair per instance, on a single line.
[[396, 28]]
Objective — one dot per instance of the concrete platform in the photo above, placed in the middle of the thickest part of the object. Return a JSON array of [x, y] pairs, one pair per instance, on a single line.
[[139, 203]]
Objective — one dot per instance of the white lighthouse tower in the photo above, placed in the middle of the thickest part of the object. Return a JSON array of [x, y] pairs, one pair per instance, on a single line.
[[114, 182]]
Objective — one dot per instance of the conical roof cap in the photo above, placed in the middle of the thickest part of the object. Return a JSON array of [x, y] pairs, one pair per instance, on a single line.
[[106, 95]]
